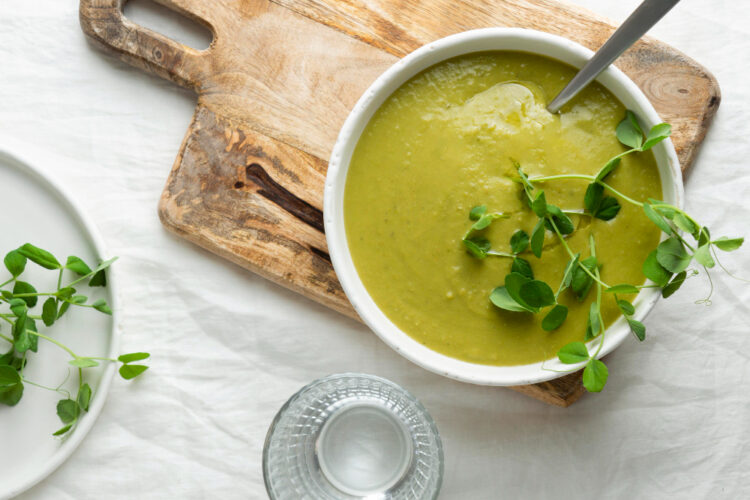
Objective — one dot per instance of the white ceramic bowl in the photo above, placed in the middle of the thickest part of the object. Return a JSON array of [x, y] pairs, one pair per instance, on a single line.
[[463, 43]]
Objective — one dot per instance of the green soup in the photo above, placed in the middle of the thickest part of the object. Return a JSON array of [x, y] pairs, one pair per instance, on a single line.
[[443, 143]]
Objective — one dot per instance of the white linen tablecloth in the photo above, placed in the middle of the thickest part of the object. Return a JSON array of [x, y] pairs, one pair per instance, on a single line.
[[229, 347]]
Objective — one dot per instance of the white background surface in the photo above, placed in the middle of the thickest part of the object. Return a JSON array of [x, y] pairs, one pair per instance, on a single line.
[[229, 348]]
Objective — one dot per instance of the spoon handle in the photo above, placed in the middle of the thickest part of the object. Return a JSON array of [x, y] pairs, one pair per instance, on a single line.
[[634, 27]]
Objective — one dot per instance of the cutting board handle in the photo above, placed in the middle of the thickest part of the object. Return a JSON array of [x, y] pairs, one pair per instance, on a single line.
[[104, 22]]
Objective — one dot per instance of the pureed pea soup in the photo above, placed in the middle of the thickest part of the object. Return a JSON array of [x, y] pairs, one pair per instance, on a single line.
[[445, 142]]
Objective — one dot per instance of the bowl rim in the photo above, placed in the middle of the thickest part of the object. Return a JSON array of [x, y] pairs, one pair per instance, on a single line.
[[486, 39]]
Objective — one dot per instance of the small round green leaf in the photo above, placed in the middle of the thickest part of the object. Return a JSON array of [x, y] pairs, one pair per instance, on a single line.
[[519, 241], [84, 397], [539, 205], [657, 219], [522, 266], [15, 263], [49, 311], [23, 288], [77, 265], [654, 271], [573, 353], [477, 246], [67, 410], [555, 317], [728, 244], [629, 133], [537, 238], [537, 294], [595, 375], [626, 307], [593, 196], [671, 254], [131, 371], [703, 256], [83, 362], [607, 209], [500, 298], [8, 377], [638, 329], [657, 134], [477, 212], [101, 306]]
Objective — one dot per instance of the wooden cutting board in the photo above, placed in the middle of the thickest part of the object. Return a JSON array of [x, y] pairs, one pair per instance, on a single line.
[[277, 83]]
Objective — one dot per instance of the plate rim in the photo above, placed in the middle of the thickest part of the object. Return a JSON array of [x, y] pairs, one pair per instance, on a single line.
[[29, 158]]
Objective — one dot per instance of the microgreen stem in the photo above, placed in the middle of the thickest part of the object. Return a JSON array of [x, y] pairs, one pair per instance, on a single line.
[[6, 315], [598, 296], [500, 254], [58, 344], [716, 258], [589, 178], [572, 255], [6, 282], [7, 339], [57, 390], [22, 295]]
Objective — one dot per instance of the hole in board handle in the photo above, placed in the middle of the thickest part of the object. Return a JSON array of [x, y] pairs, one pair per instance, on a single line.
[[169, 23]]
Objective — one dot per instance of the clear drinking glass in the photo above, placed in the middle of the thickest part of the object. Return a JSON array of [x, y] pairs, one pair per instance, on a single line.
[[353, 436]]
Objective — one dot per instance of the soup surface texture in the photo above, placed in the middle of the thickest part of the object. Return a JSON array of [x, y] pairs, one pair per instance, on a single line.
[[443, 143]]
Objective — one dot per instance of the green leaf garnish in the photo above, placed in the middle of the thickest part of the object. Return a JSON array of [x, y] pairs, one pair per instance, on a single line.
[[537, 238], [666, 265], [555, 317], [77, 265], [15, 263], [539, 205], [638, 329], [629, 132], [477, 246], [573, 353], [626, 307], [703, 256], [523, 267], [655, 271], [39, 256], [502, 299], [674, 285], [728, 244], [657, 219], [595, 375], [671, 254], [519, 241], [537, 294], [657, 134], [477, 212], [22, 299]]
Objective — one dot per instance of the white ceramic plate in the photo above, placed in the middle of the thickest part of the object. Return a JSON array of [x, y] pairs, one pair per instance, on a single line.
[[516, 39], [35, 209]]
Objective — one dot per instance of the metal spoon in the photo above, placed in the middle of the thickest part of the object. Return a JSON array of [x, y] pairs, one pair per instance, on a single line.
[[634, 27]]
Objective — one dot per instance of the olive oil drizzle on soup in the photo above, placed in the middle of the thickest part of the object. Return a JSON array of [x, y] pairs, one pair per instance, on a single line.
[[443, 143]]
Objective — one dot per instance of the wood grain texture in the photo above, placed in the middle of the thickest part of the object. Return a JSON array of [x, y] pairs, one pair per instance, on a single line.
[[276, 85]]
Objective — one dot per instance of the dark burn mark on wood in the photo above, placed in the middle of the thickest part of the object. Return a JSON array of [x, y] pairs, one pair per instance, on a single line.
[[275, 192], [320, 253]]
